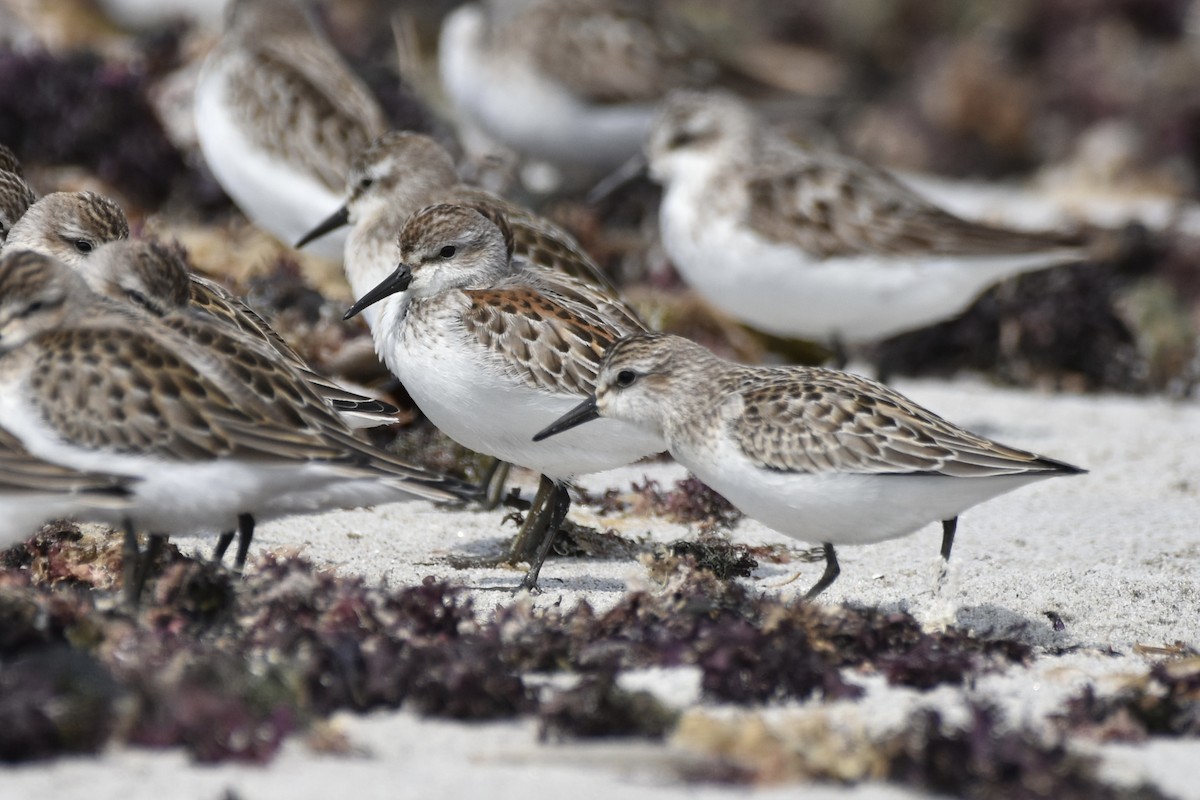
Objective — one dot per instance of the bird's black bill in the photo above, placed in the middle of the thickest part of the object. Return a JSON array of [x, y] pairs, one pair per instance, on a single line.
[[584, 412], [398, 281], [334, 221], [633, 169]]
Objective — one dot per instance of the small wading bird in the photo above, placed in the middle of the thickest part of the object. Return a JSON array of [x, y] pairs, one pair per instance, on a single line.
[[279, 116], [216, 430], [817, 454], [489, 350], [815, 245], [401, 173]]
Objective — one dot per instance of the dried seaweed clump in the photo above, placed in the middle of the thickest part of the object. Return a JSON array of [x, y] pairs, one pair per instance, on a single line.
[[362, 648], [1056, 327], [78, 109], [229, 673], [54, 700], [985, 758], [597, 707], [989, 759], [690, 502], [718, 555], [1166, 702], [751, 648], [229, 668]]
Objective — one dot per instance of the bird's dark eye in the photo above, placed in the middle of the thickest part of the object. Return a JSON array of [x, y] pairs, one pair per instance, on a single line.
[[626, 377], [448, 251], [83, 246], [366, 183], [32, 308]]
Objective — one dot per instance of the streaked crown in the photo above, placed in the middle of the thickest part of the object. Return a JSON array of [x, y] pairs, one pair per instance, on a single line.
[[456, 246], [69, 226], [401, 161]]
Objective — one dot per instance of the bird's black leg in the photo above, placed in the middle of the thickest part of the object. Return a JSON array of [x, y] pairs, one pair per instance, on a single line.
[[525, 543], [558, 505], [949, 526], [245, 534], [223, 542], [133, 593], [832, 570], [130, 564]]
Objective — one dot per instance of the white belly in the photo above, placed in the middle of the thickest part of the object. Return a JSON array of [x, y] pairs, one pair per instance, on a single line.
[[475, 404], [783, 291], [524, 110], [22, 514], [197, 497], [841, 508]]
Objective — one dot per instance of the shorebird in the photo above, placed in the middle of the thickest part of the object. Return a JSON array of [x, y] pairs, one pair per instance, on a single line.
[[817, 245], [216, 429], [279, 116], [570, 82], [817, 454], [75, 227], [401, 173], [490, 350]]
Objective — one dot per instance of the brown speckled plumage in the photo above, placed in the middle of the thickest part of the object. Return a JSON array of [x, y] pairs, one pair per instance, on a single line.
[[831, 206], [546, 341], [293, 94], [16, 197], [809, 420], [605, 51], [410, 171], [550, 333], [155, 277], [825, 204], [9, 162], [105, 376]]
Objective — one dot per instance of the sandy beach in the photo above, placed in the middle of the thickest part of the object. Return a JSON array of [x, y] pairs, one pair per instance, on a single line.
[[1111, 556]]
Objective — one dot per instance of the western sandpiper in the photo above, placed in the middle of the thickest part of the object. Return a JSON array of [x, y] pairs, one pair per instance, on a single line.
[[279, 116], [399, 174], [490, 351], [75, 227], [817, 245], [218, 430], [569, 83], [155, 278], [820, 455]]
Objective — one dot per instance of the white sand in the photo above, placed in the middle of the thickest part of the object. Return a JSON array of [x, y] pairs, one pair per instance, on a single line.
[[1114, 553]]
